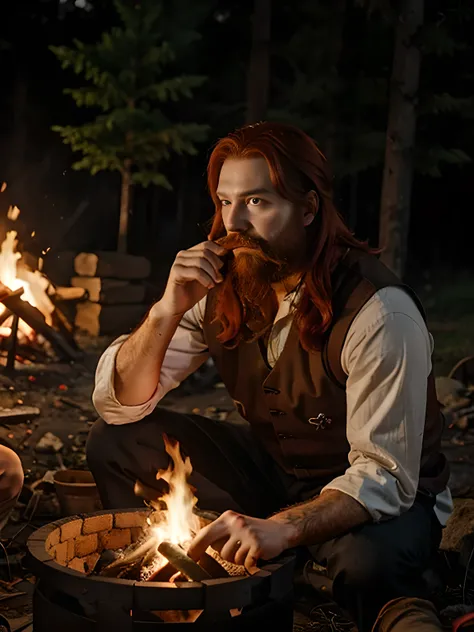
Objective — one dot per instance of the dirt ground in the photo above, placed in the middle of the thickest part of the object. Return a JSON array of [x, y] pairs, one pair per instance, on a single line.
[[62, 393]]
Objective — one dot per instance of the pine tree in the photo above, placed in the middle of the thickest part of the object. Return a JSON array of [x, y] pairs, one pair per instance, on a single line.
[[128, 87]]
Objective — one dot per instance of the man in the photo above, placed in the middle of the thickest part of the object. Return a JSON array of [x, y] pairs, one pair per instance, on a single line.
[[326, 355], [11, 482]]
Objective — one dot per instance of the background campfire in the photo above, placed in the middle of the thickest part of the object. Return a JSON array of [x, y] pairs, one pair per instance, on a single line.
[[32, 322]]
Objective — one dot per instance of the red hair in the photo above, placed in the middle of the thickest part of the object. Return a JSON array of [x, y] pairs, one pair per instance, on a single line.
[[297, 167]]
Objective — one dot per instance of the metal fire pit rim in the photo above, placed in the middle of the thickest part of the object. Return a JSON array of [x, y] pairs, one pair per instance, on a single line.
[[197, 594]]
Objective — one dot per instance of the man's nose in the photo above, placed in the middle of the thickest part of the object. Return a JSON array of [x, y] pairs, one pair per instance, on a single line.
[[236, 219]]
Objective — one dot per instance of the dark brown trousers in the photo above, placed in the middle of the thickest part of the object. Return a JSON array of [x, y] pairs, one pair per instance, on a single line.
[[369, 566]]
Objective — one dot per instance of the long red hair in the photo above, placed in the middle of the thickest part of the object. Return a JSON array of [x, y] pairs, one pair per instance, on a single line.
[[297, 167]]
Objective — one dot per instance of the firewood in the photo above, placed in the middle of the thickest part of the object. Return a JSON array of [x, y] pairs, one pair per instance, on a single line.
[[111, 265], [18, 414], [98, 319], [71, 293], [163, 574], [182, 562], [132, 556], [110, 291], [212, 566], [35, 319]]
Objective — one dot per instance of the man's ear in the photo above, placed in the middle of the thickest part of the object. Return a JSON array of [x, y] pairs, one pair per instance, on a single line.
[[311, 207]]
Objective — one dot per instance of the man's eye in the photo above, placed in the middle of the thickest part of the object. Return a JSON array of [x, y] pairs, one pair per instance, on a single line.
[[255, 201], [225, 202]]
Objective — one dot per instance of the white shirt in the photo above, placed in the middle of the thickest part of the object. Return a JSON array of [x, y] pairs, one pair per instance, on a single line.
[[387, 358]]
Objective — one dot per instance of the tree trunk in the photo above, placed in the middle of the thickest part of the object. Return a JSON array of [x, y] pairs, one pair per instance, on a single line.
[[398, 169], [124, 207], [258, 79]]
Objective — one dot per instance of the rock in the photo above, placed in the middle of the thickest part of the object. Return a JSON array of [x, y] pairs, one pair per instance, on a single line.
[[49, 443], [460, 525]]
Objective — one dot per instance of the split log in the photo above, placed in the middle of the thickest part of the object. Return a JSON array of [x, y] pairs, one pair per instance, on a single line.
[[112, 320], [212, 566], [110, 291], [111, 265], [182, 562], [18, 414], [35, 319], [71, 293]]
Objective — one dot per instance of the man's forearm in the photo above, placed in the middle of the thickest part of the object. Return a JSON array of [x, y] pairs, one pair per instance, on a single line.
[[323, 518], [139, 359]]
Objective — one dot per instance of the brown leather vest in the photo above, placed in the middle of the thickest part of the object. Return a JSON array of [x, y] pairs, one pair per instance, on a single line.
[[298, 408]]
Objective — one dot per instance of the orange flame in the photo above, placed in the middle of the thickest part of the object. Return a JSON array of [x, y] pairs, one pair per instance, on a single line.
[[177, 523], [34, 284]]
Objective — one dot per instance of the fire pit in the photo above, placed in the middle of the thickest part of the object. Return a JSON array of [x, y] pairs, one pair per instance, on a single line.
[[64, 554]]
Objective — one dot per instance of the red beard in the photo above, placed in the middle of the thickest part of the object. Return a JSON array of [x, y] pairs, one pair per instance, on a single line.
[[250, 275]]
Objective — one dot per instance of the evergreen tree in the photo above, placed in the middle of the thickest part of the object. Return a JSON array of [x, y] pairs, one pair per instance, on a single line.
[[128, 87]]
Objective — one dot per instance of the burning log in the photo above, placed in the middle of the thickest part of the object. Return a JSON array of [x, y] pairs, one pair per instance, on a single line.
[[182, 562], [35, 319]]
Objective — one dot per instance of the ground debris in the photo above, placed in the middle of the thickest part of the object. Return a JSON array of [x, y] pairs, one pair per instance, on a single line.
[[49, 442], [18, 414]]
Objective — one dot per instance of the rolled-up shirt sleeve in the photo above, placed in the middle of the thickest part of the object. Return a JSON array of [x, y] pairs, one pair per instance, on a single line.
[[387, 357], [186, 353]]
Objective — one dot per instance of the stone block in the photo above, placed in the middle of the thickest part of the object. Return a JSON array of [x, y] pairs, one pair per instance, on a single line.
[[110, 291], [71, 549], [111, 265], [90, 561], [96, 319], [94, 524], [71, 530], [53, 539], [136, 533], [116, 539], [86, 544], [133, 519], [61, 553], [77, 564]]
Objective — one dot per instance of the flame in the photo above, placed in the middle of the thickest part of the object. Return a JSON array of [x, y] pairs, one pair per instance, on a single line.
[[13, 213], [177, 523], [34, 284]]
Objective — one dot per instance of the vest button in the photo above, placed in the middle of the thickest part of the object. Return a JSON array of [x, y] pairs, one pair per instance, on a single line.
[[270, 391], [276, 413], [280, 435]]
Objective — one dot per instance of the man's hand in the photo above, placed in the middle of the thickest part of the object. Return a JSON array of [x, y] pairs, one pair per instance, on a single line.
[[193, 273], [243, 540]]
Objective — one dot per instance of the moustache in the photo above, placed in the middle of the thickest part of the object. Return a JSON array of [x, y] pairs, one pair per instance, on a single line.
[[260, 247], [236, 240]]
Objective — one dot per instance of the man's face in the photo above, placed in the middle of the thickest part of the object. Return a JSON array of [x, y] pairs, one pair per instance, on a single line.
[[252, 209]]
